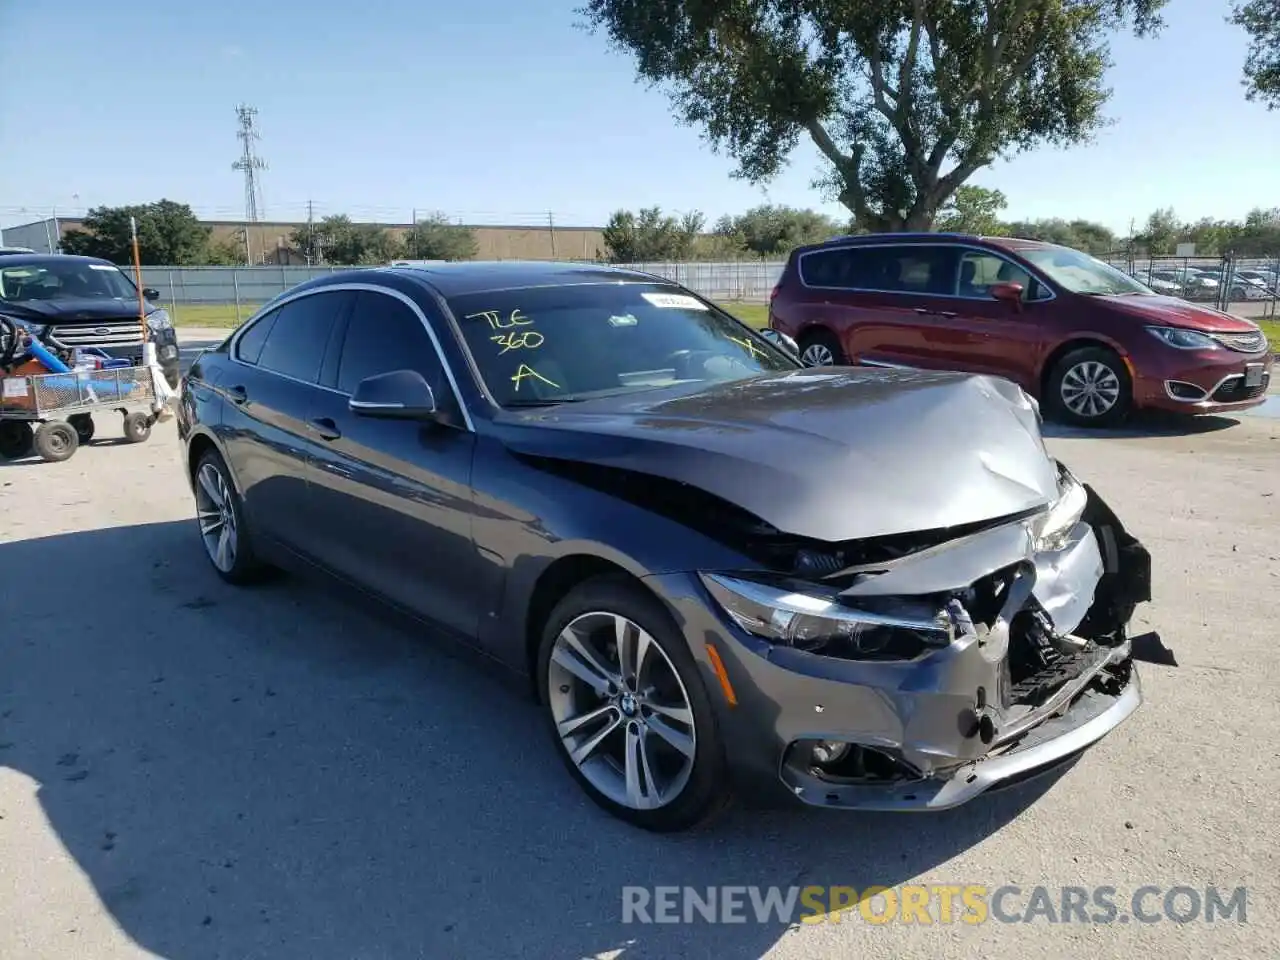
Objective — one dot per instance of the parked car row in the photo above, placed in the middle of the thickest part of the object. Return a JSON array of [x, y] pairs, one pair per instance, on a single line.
[[722, 571], [1090, 342]]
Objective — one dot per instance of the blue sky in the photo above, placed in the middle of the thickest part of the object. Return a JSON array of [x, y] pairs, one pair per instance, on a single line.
[[501, 110]]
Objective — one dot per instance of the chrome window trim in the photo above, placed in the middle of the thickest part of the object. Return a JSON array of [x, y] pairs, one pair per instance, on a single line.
[[234, 345], [1053, 294]]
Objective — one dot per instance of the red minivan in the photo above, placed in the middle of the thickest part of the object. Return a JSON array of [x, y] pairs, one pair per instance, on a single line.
[[1089, 342]]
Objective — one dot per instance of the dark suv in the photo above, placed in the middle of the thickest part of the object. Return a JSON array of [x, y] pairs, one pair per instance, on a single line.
[[1088, 341]]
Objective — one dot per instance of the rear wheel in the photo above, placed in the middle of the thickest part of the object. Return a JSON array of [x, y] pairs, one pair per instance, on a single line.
[[627, 708], [222, 528], [821, 348], [84, 426], [137, 427], [1090, 387]]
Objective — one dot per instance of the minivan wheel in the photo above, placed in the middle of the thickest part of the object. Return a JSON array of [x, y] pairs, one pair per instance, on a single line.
[[223, 531], [629, 714], [821, 348], [1090, 387]]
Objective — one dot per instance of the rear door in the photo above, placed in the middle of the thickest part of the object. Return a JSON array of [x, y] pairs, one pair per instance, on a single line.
[[269, 389], [393, 497]]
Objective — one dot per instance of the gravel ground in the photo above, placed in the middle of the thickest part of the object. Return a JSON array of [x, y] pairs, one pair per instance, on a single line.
[[187, 770]]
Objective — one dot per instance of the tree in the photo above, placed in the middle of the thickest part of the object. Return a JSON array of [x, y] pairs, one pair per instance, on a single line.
[[649, 235], [224, 253], [1162, 233], [336, 239], [772, 231], [168, 234], [890, 91], [1261, 20], [1080, 234], [435, 238], [974, 210]]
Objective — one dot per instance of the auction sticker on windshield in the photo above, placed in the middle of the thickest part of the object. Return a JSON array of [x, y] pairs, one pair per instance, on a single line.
[[674, 301]]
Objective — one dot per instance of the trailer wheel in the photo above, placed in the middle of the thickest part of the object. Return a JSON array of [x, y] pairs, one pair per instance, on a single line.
[[137, 427], [15, 439], [84, 426], [56, 441]]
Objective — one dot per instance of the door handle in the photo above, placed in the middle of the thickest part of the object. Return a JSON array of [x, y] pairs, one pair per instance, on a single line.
[[946, 313], [923, 311], [237, 394], [325, 428]]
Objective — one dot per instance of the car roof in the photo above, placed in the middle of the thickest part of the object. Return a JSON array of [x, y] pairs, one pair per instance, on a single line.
[[484, 276], [39, 259], [876, 239]]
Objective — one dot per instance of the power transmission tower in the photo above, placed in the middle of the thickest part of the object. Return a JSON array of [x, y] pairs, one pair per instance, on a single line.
[[249, 163]]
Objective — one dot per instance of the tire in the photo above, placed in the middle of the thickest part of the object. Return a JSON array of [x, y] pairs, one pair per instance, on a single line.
[[1067, 396], [240, 565], [821, 344], [137, 427], [16, 439], [56, 441], [696, 783], [84, 426]]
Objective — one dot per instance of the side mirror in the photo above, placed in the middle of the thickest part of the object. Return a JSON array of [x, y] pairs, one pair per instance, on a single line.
[[151, 293], [398, 395], [1008, 292], [781, 341]]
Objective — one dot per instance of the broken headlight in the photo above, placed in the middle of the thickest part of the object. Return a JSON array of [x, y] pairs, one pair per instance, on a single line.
[[1052, 530], [902, 630]]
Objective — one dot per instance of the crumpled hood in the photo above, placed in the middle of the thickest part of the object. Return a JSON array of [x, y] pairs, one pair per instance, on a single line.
[[72, 310], [1178, 313], [826, 454]]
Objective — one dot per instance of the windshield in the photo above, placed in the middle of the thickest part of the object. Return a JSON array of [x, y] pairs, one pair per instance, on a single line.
[[74, 279], [1081, 273], [546, 345]]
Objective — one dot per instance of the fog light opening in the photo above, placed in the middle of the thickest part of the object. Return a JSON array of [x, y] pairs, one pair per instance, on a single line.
[[836, 761]]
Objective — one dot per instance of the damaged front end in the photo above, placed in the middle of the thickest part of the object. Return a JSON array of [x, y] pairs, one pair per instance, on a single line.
[[918, 672]]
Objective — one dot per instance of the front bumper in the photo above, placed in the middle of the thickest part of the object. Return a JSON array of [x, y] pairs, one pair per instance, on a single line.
[[922, 716], [1211, 381]]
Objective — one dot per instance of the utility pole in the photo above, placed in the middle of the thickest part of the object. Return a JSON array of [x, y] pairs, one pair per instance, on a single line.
[[311, 234], [413, 232], [249, 164], [551, 226]]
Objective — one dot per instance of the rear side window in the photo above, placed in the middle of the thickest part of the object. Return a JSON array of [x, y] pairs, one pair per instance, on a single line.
[[384, 334], [909, 268], [249, 346], [295, 345]]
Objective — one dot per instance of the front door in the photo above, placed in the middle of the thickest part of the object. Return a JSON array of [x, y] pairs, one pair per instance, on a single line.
[[394, 496], [1006, 337]]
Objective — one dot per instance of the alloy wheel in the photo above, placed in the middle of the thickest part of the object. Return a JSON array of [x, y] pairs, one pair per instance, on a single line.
[[621, 710], [817, 355], [217, 517], [1090, 389]]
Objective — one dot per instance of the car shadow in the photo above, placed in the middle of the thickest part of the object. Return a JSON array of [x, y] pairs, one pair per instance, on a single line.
[[1145, 424], [272, 772]]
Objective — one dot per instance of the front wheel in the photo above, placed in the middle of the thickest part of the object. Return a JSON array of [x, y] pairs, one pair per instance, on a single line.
[[1090, 387], [627, 708], [821, 348], [56, 441]]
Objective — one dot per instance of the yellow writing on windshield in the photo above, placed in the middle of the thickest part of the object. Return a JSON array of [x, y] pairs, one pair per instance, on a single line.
[[497, 321], [750, 347], [524, 372], [520, 340]]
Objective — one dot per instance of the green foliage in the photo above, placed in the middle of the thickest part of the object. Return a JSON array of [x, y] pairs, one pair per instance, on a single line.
[[905, 99], [773, 231], [435, 238], [650, 236], [224, 253], [974, 210], [1257, 236], [1084, 235], [168, 233], [336, 239], [1261, 20]]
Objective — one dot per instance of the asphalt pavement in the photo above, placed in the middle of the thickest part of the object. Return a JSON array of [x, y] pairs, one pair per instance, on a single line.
[[189, 770]]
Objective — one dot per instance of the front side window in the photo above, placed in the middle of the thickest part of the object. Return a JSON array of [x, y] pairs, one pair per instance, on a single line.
[[69, 280], [1081, 273], [979, 272], [554, 344], [385, 335]]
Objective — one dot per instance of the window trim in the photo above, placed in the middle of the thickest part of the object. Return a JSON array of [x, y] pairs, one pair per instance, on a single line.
[[1053, 294], [234, 346]]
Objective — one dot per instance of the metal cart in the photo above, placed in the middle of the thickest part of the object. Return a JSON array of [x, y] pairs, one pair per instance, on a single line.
[[53, 412]]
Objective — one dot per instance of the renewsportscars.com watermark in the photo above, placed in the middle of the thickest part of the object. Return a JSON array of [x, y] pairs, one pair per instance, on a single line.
[[934, 904]]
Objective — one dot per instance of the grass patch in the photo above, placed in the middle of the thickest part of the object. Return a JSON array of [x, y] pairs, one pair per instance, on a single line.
[[1272, 329], [752, 314], [210, 314]]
